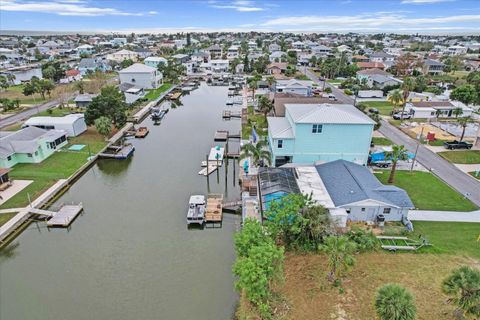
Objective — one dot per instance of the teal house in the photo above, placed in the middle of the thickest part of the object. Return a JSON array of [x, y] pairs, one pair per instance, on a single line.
[[312, 133], [29, 145]]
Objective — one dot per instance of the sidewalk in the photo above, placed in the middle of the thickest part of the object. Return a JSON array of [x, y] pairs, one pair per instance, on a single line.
[[444, 216]]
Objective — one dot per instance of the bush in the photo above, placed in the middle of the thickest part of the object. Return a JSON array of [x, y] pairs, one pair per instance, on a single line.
[[348, 92], [328, 90], [365, 240]]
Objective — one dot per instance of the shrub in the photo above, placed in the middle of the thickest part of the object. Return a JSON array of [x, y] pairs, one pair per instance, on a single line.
[[348, 92], [365, 240]]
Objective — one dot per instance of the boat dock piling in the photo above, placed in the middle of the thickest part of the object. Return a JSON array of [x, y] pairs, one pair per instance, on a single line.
[[228, 114]]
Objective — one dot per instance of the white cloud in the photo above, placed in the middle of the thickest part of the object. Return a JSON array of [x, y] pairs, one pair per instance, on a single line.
[[380, 21], [239, 5], [424, 1], [63, 8]]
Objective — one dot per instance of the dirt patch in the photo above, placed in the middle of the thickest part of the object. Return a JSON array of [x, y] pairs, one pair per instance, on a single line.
[[310, 296]]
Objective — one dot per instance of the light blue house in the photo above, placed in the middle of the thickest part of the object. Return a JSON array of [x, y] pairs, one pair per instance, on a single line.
[[154, 61], [319, 132]]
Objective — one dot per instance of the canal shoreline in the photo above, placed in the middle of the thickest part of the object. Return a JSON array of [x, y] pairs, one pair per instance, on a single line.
[[18, 223]]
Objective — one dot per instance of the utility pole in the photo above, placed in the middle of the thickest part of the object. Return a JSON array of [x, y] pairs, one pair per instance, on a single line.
[[416, 149]]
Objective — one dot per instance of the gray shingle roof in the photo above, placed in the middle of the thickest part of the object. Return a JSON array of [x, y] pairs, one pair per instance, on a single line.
[[25, 140], [347, 183]]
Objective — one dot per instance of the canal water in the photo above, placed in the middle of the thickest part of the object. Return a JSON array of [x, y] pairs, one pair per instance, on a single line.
[[130, 255]]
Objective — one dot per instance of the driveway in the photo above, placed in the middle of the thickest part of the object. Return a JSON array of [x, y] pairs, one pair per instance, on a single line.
[[444, 216], [436, 164]]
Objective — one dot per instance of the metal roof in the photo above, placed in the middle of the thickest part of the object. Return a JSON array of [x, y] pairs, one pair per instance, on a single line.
[[327, 114], [348, 182], [138, 68], [280, 128], [25, 140]]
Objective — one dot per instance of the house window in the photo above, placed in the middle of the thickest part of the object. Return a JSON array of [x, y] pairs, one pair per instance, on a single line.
[[133, 80], [363, 209], [348, 210], [317, 128], [386, 210], [29, 155], [9, 158], [36, 153], [280, 144]]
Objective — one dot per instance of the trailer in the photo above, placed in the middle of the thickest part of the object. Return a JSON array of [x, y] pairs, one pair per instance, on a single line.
[[392, 243]]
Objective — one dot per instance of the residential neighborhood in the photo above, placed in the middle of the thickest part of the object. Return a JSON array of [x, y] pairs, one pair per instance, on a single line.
[[260, 160]]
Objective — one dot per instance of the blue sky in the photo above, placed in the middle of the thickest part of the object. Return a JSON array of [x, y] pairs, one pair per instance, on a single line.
[[406, 16]]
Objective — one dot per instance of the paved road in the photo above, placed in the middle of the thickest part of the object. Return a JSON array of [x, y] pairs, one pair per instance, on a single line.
[[439, 166], [25, 114]]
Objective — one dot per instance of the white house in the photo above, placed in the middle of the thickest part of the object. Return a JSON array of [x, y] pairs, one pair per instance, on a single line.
[[429, 109], [72, 124], [141, 76], [232, 52], [122, 55], [301, 87], [218, 65]]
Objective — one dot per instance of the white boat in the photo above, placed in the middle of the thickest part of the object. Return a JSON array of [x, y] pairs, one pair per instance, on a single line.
[[196, 210]]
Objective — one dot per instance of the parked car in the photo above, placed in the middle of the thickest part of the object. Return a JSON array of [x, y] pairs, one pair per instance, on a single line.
[[398, 115], [373, 110], [451, 145]]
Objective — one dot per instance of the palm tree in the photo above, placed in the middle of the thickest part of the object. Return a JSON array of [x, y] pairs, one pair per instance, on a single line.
[[407, 86], [340, 251], [394, 302], [463, 285], [258, 152], [438, 112], [271, 81], [463, 122], [265, 105], [397, 153], [396, 97], [457, 112]]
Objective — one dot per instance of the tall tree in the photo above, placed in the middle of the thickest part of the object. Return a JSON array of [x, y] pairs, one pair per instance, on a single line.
[[407, 86], [396, 98], [393, 302], [265, 106], [258, 152], [463, 285], [463, 122], [466, 94], [340, 252], [398, 153], [109, 103], [103, 126]]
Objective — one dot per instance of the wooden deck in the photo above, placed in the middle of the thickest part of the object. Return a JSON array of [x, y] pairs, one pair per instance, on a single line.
[[175, 95], [207, 171], [65, 216], [221, 135], [227, 114], [214, 208]]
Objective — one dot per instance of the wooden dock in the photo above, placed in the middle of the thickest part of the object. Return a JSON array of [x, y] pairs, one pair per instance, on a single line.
[[207, 171], [214, 213], [65, 215], [228, 114], [221, 135], [117, 152], [175, 95]]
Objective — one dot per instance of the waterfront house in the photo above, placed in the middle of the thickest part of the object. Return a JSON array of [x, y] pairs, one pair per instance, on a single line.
[[132, 93], [301, 87], [282, 99], [141, 76], [319, 132], [155, 61], [349, 191], [72, 124], [29, 145]]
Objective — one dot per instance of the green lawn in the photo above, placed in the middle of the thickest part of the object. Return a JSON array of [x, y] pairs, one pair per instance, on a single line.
[[384, 107], [381, 141], [428, 192], [462, 157], [154, 94], [474, 174], [16, 92], [458, 238], [59, 165], [4, 217], [258, 120]]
